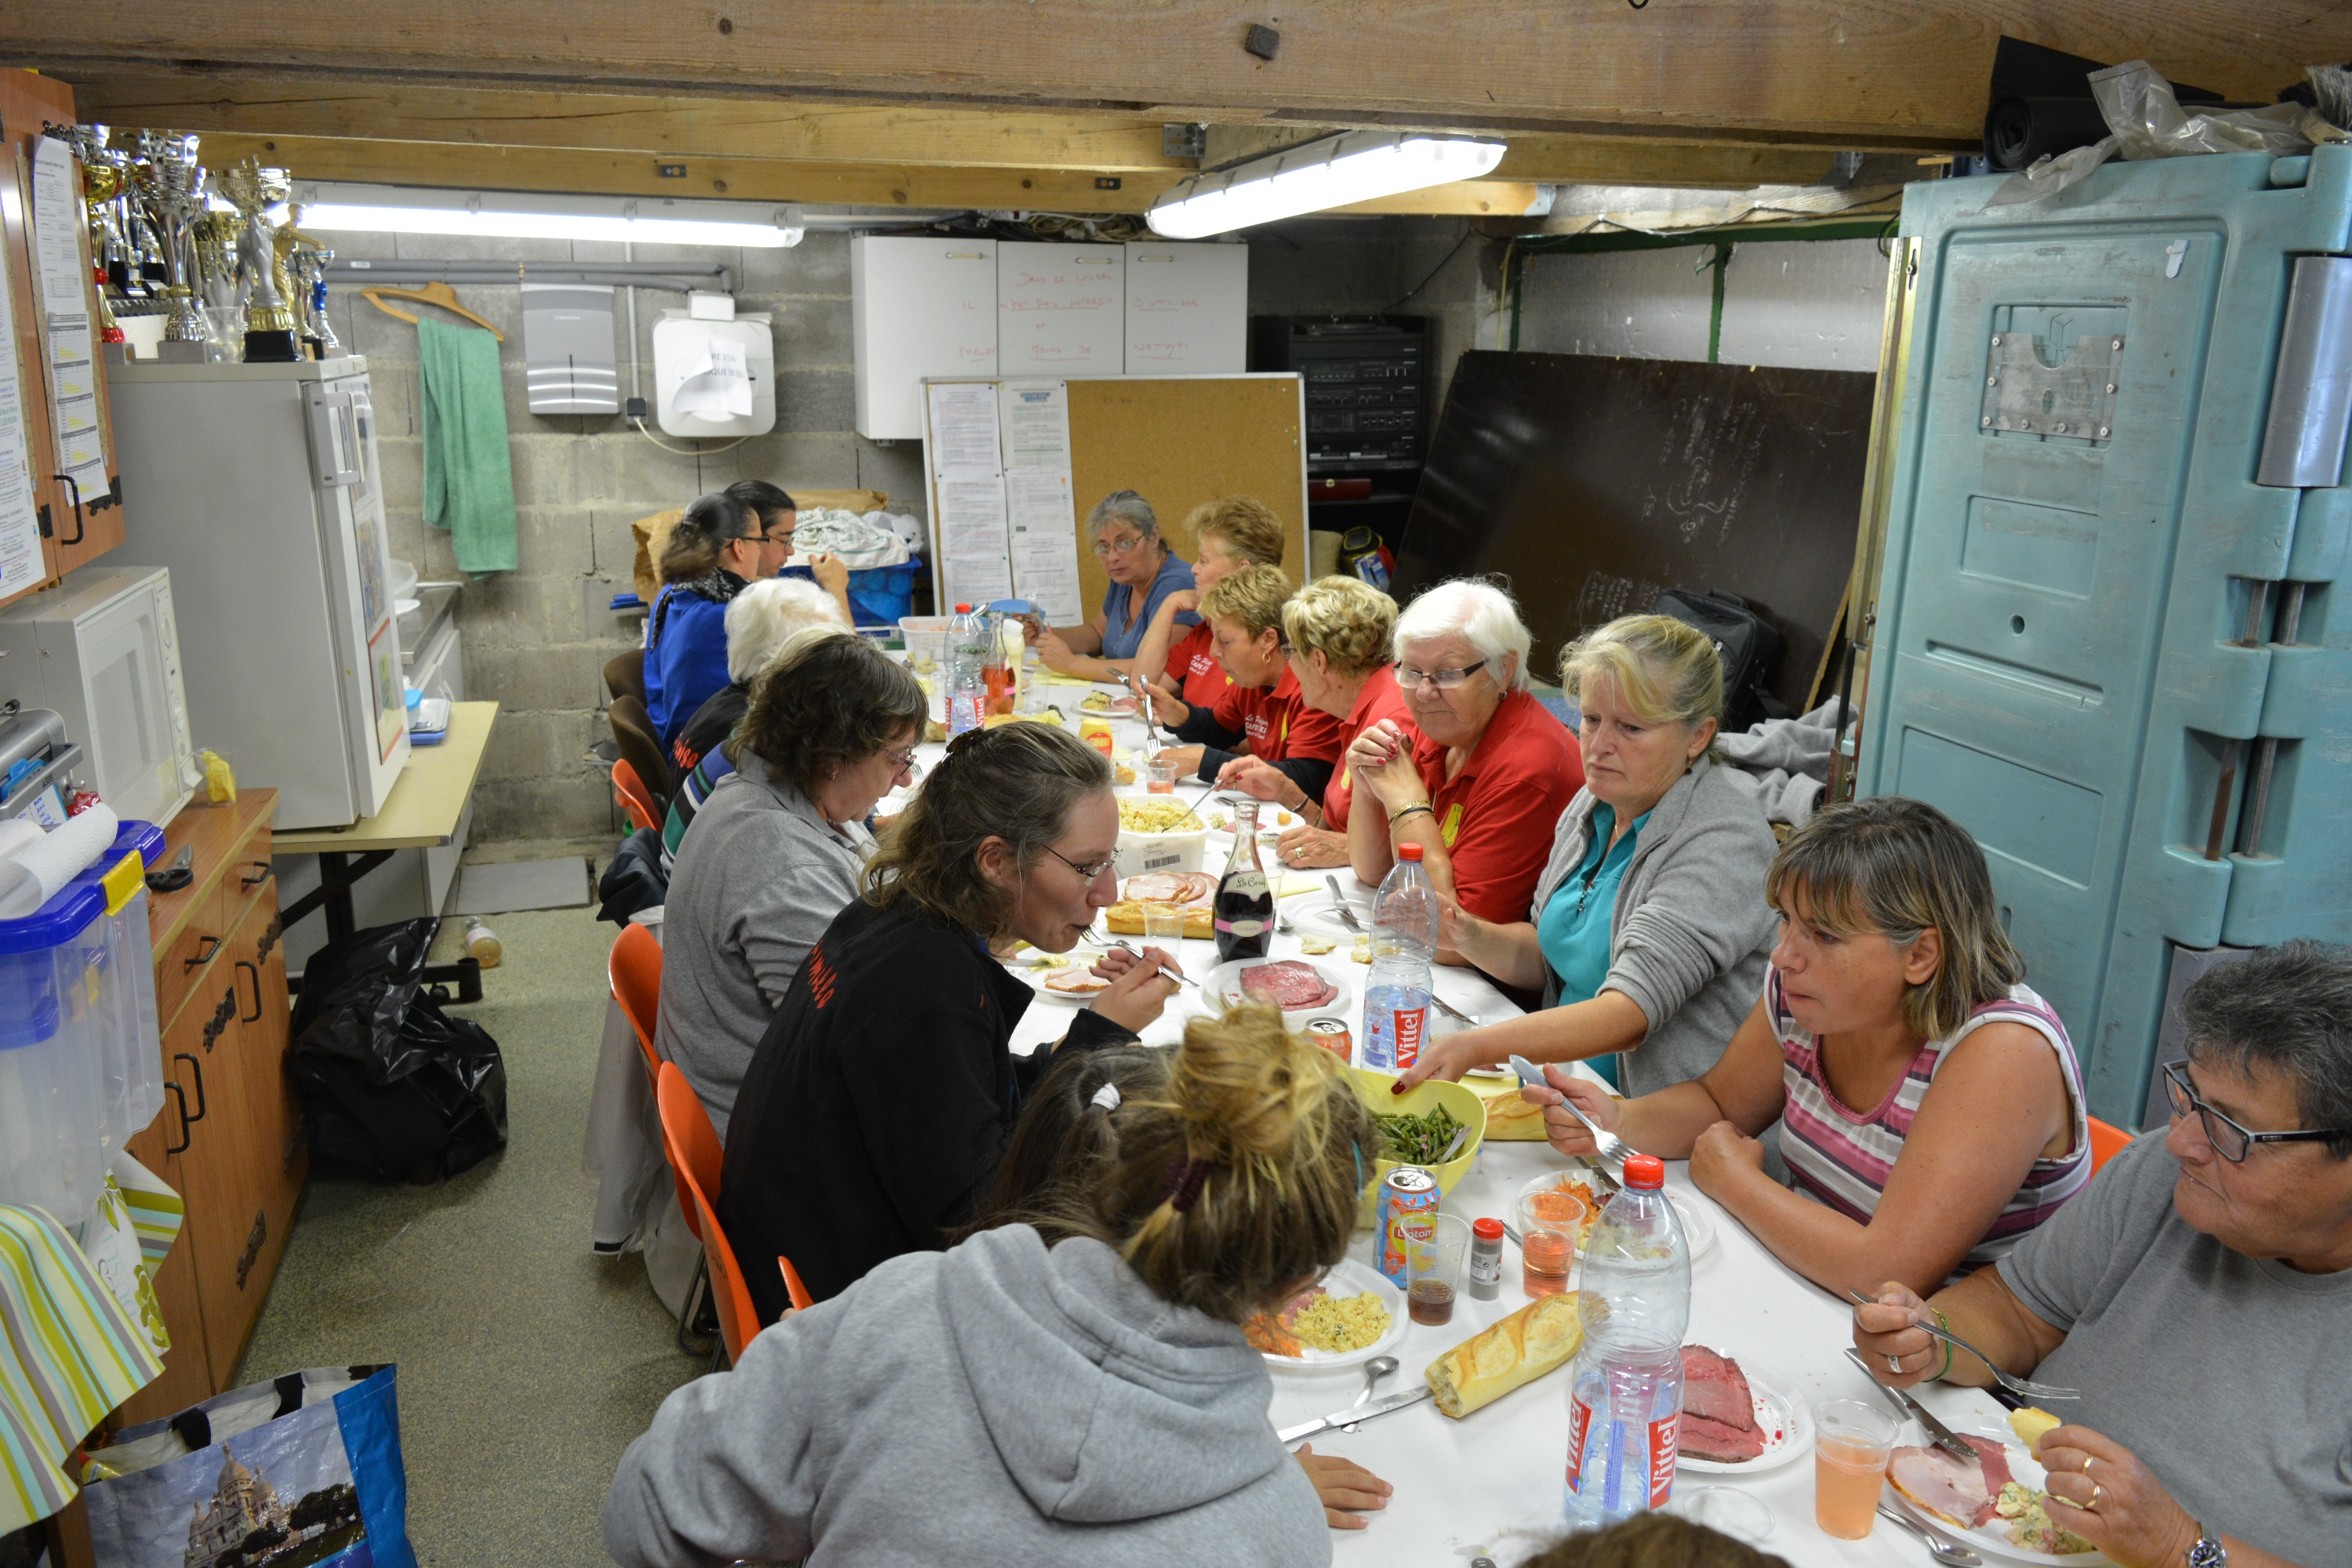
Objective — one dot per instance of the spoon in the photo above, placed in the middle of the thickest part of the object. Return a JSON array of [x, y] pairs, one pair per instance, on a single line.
[[1379, 1367], [1951, 1553]]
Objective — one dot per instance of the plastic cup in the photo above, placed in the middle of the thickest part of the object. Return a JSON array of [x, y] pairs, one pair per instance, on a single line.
[[1163, 925], [1549, 1224], [1851, 1444], [1434, 1249], [1159, 778]]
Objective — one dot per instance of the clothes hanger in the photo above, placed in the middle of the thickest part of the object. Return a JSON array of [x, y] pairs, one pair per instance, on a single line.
[[436, 293]]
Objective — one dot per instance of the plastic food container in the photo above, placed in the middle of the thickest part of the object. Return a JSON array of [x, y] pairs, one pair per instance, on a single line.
[[1139, 852], [80, 1063], [926, 637]]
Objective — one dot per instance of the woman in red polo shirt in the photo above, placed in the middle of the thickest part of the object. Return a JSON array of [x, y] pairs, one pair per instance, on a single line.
[[1262, 714], [1480, 776], [1228, 533], [1339, 631]]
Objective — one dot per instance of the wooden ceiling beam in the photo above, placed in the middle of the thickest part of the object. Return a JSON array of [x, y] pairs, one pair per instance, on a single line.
[[1863, 74]]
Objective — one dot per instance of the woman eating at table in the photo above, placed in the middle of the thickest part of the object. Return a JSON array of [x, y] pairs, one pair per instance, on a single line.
[[1337, 632], [1125, 534], [2199, 1297], [1076, 1388], [1263, 717], [1481, 775], [1228, 533], [1931, 1109], [878, 1103], [717, 546], [1649, 935], [777, 849]]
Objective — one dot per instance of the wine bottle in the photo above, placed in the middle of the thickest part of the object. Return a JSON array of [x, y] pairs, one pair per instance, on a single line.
[[1244, 904]]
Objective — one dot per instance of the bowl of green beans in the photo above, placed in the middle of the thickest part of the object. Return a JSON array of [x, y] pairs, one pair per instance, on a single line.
[[1417, 1128]]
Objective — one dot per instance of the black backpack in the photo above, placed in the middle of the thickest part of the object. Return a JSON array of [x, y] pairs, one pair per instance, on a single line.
[[1748, 645]]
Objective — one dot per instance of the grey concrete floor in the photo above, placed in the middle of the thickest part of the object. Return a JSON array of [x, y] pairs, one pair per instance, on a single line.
[[526, 1364]]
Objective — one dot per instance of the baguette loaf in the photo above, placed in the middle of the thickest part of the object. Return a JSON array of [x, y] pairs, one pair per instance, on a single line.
[[1531, 1342], [1510, 1118], [1126, 919]]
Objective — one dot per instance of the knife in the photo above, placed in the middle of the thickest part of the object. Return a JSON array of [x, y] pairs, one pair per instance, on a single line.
[[1350, 1418], [1340, 902], [1943, 1437]]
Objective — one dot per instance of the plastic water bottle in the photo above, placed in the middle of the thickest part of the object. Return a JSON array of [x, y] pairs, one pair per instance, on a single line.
[[1626, 1402], [970, 651], [1404, 945]]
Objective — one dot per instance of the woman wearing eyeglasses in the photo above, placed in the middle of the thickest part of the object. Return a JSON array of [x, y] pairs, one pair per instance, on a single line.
[[1125, 534], [881, 1099], [1480, 776], [2198, 1297], [776, 851], [1931, 1111]]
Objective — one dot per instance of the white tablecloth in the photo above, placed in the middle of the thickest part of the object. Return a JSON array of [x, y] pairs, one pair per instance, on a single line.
[[1491, 1483]]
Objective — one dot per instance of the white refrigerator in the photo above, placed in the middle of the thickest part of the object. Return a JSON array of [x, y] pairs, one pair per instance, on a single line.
[[258, 486]]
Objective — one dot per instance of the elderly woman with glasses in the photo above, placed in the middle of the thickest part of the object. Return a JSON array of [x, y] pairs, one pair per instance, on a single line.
[[882, 1097], [1479, 777], [2199, 1297], [776, 850], [1125, 534]]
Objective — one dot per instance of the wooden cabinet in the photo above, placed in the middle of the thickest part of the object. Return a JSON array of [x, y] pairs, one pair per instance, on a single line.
[[229, 1136]]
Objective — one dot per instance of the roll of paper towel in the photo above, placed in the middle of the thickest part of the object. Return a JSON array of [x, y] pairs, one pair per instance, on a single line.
[[34, 870]]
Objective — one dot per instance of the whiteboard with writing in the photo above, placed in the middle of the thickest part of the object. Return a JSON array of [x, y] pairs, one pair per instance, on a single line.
[[1187, 308], [1059, 308], [918, 307]]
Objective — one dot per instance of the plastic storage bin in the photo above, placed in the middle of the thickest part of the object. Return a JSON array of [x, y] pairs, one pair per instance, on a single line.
[[80, 1053], [881, 594]]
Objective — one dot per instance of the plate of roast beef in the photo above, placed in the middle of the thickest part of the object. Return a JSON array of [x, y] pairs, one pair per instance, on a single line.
[[1302, 990], [1737, 1417]]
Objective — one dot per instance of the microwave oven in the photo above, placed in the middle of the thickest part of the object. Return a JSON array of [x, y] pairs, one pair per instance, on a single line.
[[103, 652]]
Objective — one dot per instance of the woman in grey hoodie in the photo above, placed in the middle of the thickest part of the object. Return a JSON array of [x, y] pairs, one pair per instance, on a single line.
[[1073, 1390], [1649, 935]]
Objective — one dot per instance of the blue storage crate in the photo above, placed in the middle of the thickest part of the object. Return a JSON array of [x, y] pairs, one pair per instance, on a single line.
[[2101, 644], [878, 595]]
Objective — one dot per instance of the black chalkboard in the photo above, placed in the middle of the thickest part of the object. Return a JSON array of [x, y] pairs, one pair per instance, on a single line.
[[1595, 483]]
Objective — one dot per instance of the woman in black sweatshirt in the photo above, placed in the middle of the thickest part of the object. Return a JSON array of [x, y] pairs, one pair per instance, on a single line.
[[881, 1101]]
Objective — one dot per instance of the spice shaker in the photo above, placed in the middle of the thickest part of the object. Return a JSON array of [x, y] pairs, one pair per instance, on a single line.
[[1485, 1259]]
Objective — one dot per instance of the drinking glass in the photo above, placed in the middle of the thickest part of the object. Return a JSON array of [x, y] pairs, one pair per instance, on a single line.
[[1159, 778], [1163, 926], [1852, 1443], [1433, 1266], [1549, 1224]]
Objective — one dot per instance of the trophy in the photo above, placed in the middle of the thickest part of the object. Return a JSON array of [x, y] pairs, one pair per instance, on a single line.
[[102, 192], [308, 262], [171, 186], [269, 315]]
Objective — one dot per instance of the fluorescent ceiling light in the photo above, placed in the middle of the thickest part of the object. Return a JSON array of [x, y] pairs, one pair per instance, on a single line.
[[525, 214], [1331, 172]]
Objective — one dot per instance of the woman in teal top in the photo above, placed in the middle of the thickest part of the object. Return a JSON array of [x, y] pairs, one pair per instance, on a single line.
[[1649, 933]]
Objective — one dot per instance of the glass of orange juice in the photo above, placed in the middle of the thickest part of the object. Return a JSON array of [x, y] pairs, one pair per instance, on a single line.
[[1852, 1443]]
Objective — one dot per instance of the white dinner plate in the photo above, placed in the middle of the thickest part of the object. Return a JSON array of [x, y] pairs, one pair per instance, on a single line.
[[1036, 979], [1224, 988], [1993, 1539], [1352, 1278], [1321, 913], [1782, 1415]]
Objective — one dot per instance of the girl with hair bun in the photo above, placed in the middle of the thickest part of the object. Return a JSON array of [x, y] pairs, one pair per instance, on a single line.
[[874, 1111], [1072, 1388]]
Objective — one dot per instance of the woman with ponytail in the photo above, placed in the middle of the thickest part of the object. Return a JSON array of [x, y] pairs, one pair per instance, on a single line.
[[1070, 1389]]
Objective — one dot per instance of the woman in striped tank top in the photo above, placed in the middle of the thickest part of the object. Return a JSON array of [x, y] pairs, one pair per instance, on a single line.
[[1932, 1110]]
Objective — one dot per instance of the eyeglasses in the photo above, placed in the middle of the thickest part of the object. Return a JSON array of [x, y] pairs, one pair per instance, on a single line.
[[903, 762], [1088, 871], [1118, 547], [2229, 1141], [1443, 680]]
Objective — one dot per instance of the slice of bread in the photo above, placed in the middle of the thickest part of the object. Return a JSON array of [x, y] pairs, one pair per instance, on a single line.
[[2030, 1424]]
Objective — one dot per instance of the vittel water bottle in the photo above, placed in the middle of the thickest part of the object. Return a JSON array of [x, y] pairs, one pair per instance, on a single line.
[[969, 654], [1627, 1398], [1404, 943]]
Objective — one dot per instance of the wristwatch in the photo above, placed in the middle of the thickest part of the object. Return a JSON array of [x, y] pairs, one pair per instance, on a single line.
[[2208, 1552]]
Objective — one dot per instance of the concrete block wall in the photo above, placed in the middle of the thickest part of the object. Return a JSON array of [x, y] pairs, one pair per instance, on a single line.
[[1802, 304], [537, 638]]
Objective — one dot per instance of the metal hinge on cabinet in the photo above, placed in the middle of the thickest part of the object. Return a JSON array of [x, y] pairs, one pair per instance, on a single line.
[[269, 935], [252, 1248], [221, 1018]]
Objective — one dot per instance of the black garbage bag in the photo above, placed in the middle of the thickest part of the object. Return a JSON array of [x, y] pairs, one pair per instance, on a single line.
[[391, 1084]]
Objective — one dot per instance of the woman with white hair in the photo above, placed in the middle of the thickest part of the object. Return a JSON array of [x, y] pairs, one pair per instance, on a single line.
[[1125, 533], [1480, 776], [759, 621]]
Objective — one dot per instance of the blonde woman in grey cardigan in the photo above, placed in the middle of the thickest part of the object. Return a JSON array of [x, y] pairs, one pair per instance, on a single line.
[[1649, 935]]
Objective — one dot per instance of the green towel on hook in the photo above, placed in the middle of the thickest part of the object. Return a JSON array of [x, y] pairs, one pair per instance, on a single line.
[[468, 481]]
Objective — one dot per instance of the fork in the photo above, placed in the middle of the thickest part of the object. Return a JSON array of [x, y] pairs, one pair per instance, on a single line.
[[2023, 1387], [1180, 979], [1608, 1150]]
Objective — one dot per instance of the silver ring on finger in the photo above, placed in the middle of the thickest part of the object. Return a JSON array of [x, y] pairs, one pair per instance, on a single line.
[[1894, 1364]]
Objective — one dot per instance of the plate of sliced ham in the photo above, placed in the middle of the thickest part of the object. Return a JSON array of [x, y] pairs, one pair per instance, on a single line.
[[1737, 1417], [1966, 1500], [1302, 990], [1170, 888]]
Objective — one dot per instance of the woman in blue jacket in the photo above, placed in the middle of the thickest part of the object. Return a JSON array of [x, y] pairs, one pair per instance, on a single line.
[[717, 548]]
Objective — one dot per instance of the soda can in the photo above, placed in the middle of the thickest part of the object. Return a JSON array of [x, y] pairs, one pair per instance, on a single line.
[[1331, 1033], [1408, 1196]]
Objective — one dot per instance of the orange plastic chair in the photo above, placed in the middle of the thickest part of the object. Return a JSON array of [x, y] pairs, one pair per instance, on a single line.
[[738, 1324], [695, 1159], [688, 1138], [634, 971], [629, 793], [2107, 1142]]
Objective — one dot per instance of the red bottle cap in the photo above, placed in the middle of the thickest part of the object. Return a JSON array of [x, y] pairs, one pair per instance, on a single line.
[[1486, 1229], [1645, 1173], [963, 609], [1408, 852]]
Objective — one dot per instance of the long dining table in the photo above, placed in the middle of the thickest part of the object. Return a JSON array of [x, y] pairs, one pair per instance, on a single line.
[[1491, 1485]]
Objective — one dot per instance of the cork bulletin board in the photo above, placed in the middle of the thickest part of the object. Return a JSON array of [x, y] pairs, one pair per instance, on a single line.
[[1179, 441]]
